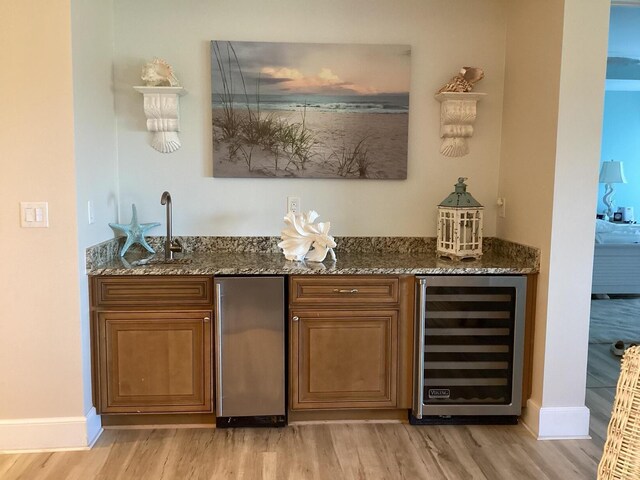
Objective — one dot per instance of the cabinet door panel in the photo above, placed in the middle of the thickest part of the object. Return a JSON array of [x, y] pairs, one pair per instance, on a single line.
[[155, 361], [344, 359]]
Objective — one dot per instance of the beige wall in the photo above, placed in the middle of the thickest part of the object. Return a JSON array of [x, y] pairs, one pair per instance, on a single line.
[[443, 35], [40, 354], [549, 161], [532, 72]]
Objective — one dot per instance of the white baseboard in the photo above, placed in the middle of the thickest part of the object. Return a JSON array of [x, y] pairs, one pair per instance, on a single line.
[[557, 423], [23, 435]]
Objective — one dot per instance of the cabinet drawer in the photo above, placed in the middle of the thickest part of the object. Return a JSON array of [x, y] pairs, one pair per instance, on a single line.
[[150, 290], [343, 290]]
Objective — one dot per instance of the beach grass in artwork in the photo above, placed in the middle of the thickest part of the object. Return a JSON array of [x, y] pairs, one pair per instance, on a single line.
[[310, 110]]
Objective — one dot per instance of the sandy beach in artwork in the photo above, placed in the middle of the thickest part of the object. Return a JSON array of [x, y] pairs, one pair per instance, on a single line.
[[329, 145], [304, 110]]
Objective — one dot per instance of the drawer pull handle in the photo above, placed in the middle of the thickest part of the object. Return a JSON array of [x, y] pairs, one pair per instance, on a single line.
[[206, 319], [345, 290], [295, 319]]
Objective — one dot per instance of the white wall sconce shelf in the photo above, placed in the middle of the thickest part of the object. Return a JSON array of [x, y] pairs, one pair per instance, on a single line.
[[457, 116], [162, 109]]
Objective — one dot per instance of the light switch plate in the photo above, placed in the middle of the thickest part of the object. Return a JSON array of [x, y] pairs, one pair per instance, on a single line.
[[34, 214]]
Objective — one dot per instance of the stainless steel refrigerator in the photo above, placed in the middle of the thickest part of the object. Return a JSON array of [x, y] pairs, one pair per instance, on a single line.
[[250, 351]]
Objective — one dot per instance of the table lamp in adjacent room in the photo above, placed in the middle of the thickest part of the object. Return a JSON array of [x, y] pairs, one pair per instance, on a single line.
[[610, 173]]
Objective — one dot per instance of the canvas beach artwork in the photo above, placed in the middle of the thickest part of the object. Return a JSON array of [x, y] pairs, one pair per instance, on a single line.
[[299, 110]]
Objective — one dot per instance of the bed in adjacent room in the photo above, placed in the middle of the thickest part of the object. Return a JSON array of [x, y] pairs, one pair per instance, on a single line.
[[616, 260]]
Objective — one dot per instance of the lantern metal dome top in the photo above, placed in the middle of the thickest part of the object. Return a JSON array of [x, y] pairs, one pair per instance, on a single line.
[[460, 198]]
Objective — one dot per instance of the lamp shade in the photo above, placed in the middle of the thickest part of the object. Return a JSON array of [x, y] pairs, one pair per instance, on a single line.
[[612, 172]]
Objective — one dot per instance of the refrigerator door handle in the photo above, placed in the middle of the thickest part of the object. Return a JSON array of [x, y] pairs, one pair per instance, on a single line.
[[218, 347], [418, 368]]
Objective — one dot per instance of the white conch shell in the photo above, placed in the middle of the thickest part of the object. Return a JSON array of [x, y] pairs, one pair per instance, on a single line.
[[158, 73], [301, 234]]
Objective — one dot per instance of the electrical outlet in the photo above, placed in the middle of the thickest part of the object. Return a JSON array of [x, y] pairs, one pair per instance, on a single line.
[[502, 207], [293, 205], [90, 214]]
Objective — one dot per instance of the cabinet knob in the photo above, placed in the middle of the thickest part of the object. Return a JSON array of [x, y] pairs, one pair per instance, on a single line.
[[295, 319], [206, 319]]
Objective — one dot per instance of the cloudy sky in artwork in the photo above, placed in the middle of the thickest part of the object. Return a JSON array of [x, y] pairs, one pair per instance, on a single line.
[[304, 68]]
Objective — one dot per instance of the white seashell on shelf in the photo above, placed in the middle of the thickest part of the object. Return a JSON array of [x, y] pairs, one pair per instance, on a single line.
[[158, 73], [301, 235]]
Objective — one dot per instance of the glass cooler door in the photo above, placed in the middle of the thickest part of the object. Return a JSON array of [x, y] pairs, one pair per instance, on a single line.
[[469, 343]]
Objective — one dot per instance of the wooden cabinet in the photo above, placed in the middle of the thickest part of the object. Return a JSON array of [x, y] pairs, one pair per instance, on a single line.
[[152, 344], [350, 342], [343, 358], [154, 361]]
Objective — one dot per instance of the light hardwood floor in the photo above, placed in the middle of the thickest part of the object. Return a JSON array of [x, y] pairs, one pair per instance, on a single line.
[[336, 452], [327, 451]]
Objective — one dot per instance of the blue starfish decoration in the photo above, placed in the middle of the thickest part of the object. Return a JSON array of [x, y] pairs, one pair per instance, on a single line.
[[134, 232]]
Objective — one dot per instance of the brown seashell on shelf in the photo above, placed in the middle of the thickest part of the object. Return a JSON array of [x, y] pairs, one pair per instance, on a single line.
[[464, 81], [158, 73]]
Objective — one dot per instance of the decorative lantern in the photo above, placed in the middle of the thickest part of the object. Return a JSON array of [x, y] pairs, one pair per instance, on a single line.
[[459, 225]]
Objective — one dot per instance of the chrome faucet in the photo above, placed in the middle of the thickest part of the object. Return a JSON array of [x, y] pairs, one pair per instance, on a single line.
[[170, 245]]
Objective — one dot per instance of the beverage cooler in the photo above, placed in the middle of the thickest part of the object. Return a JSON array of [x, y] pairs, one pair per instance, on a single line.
[[250, 351], [469, 349]]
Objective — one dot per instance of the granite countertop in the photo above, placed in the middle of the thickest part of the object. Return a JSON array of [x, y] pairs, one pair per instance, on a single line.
[[375, 257]]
